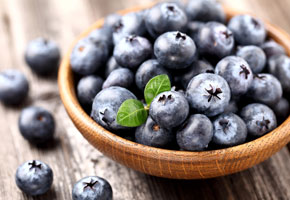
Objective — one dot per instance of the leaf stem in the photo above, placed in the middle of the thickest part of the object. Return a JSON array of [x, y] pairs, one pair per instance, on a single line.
[[147, 107]]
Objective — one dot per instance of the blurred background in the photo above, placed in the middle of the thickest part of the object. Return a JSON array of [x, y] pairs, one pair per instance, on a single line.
[[71, 156]]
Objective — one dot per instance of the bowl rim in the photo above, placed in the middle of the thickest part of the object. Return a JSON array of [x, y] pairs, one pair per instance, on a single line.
[[74, 109]]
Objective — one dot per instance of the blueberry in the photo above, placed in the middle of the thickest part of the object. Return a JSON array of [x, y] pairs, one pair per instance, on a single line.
[[237, 73], [279, 66], [205, 10], [232, 107], [36, 124], [148, 70], [254, 56], [165, 17], [111, 20], [215, 39], [282, 109], [122, 77], [129, 24], [103, 34], [229, 130], [193, 28], [272, 48], [88, 87], [151, 134], [88, 56], [42, 56], [195, 134], [92, 188], [169, 109], [34, 177], [111, 65], [247, 30], [266, 89], [259, 118], [174, 50], [106, 105], [208, 93], [14, 87], [131, 51], [197, 67]]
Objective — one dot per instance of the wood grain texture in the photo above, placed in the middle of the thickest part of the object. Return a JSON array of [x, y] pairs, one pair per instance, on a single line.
[[71, 157]]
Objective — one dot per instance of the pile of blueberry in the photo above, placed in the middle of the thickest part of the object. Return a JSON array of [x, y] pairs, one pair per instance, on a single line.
[[228, 79], [37, 125]]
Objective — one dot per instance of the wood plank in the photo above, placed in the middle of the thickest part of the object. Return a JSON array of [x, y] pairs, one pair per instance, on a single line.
[[71, 157]]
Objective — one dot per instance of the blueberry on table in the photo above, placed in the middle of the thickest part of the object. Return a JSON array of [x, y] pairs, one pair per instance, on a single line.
[[152, 134], [282, 109], [88, 87], [259, 118], [265, 89], [131, 51], [247, 30], [92, 188], [272, 48], [197, 67], [229, 130], [169, 109], [208, 93], [88, 56], [129, 24], [215, 39], [237, 73], [195, 134], [279, 66], [42, 56], [14, 87], [34, 177], [147, 70], [165, 17], [254, 56], [175, 50], [36, 125], [110, 66], [122, 77], [205, 10], [106, 105]]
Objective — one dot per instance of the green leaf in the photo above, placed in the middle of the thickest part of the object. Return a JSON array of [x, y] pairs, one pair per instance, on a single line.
[[155, 86], [131, 113]]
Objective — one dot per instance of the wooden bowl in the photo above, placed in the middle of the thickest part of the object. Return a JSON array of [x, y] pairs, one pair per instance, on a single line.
[[170, 163]]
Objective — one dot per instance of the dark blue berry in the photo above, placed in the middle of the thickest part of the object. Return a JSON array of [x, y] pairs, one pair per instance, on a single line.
[[229, 130], [88, 87], [175, 50], [132, 50], [282, 109], [14, 87], [92, 188], [169, 109], [208, 93], [165, 17], [247, 30], [272, 48], [122, 77], [106, 105], [42, 56], [259, 118], [195, 134], [254, 56], [148, 70], [36, 125], [34, 177], [237, 73], [111, 65], [152, 134], [215, 39]]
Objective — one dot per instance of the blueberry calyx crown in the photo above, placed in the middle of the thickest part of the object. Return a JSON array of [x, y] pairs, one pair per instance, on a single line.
[[255, 23], [213, 93], [90, 185], [156, 127], [225, 124], [226, 34], [40, 118], [171, 8], [263, 124], [118, 26], [180, 36], [34, 165], [81, 48], [165, 99], [244, 71], [131, 38]]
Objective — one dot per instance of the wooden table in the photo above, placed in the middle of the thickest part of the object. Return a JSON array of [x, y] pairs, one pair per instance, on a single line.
[[70, 156]]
